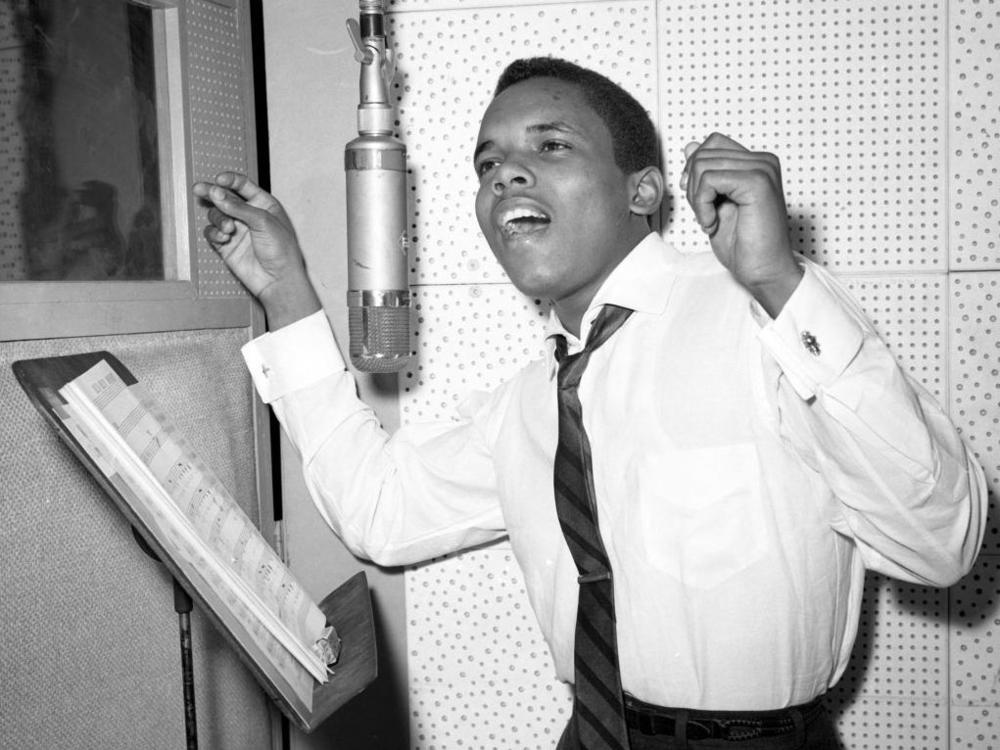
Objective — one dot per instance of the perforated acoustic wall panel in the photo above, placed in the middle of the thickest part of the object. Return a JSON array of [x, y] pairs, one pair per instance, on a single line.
[[851, 97], [12, 147], [973, 128], [220, 114], [885, 116], [974, 362], [974, 356], [910, 313]]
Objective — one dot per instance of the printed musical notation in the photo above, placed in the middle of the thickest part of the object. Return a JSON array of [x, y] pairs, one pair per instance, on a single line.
[[134, 441]]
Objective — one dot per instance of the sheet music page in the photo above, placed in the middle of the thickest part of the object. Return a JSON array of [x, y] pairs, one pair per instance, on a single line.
[[201, 518], [191, 559]]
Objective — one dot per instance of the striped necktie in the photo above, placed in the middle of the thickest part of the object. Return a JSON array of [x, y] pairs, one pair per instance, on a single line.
[[598, 708]]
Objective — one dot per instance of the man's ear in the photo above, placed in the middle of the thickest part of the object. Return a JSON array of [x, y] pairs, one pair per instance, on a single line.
[[646, 191]]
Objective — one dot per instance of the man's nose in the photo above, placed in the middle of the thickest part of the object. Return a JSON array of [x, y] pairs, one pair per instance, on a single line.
[[512, 172]]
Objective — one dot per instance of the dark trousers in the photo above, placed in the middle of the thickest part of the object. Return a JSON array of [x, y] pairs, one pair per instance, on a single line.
[[813, 730]]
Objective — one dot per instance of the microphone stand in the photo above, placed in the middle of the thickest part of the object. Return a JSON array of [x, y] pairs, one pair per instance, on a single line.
[[182, 606]]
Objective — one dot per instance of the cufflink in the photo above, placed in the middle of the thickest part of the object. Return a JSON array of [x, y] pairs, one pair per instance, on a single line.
[[810, 343]]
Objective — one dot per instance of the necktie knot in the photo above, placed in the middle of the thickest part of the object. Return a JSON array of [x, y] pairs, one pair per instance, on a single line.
[[608, 320], [571, 366]]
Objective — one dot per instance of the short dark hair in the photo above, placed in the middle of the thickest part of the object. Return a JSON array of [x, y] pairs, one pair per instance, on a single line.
[[633, 135]]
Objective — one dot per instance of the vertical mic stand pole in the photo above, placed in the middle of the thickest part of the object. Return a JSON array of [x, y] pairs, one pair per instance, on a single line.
[[182, 605]]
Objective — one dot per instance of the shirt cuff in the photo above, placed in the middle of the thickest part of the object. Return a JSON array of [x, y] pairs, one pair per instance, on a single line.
[[293, 357], [815, 337]]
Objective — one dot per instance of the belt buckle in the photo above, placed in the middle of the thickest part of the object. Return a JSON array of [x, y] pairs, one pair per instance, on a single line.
[[701, 730], [739, 731], [733, 730]]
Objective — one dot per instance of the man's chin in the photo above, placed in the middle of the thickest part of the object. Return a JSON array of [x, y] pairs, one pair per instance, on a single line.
[[541, 288]]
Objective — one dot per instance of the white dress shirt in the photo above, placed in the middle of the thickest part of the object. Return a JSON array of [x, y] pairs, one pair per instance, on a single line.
[[748, 471]]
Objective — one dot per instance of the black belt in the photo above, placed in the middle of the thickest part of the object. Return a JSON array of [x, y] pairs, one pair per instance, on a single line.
[[734, 726]]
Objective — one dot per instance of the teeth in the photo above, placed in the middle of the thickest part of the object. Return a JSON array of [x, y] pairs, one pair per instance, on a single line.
[[516, 214]]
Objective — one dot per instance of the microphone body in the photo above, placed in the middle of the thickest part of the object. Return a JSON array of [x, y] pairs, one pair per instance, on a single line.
[[378, 296]]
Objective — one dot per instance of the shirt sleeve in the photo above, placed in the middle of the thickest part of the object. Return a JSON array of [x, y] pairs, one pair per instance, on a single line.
[[907, 487], [427, 490]]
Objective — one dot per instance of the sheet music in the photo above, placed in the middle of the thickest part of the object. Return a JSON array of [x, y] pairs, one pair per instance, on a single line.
[[198, 515]]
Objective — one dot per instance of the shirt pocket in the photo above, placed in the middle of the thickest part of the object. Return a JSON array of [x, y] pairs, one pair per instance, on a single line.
[[704, 522]]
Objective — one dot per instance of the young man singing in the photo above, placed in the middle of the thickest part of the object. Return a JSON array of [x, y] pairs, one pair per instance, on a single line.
[[695, 479]]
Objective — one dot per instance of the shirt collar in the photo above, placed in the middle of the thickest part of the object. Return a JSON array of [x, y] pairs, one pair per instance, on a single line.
[[640, 282]]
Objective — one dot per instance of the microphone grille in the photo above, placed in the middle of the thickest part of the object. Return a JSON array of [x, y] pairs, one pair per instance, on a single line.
[[380, 338]]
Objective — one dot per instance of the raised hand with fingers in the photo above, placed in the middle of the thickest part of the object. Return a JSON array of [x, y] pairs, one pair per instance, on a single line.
[[737, 198], [251, 231]]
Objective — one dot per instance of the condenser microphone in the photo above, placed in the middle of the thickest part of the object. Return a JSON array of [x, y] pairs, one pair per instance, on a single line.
[[378, 296]]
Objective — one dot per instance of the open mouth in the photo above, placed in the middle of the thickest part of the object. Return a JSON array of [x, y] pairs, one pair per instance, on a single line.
[[522, 220]]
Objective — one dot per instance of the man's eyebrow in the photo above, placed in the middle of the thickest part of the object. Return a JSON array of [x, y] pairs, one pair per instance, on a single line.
[[480, 148], [558, 126]]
